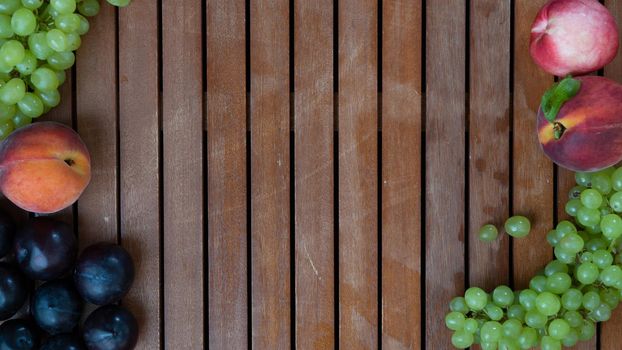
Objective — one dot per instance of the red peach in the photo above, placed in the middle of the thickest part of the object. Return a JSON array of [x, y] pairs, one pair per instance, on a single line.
[[44, 167], [573, 37]]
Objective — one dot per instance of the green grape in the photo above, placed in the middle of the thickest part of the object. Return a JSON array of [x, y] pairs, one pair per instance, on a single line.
[[601, 182], [503, 296], [595, 244], [20, 120], [586, 257], [462, 339], [62, 60], [591, 300], [516, 312], [68, 23], [573, 318], [508, 343], [535, 319], [458, 304], [470, 325], [488, 346], [565, 227], [12, 52], [89, 8], [528, 338], [476, 298], [564, 256], [31, 105], [6, 30], [572, 243], [587, 330], [491, 332], [588, 217], [550, 343], [602, 313], [558, 283], [454, 320], [23, 22], [591, 198], [548, 303], [611, 275], [555, 266], [32, 4], [571, 339], [602, 258], [6, 128], [587, 273], [49, 98], [572, 207], [572, 298], [56, 40], [28, 64], [60, 74], [64, 6], [611, 225], [552, 238], [119, 3], [73, 41], [575, 192], [538, 284], [13, 91], [7, 7], [84, 25], [37, 43], [615, 202], [527, 297], [517, 226], [593, 230], [616, 179], [512, 328], [493, 312], [6, 112], [583, 179], [488, 233], [559, 328], [44, 79]]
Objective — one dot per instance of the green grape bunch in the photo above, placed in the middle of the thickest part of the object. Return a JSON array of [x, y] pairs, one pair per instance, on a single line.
[[574, 292], [37, 43]]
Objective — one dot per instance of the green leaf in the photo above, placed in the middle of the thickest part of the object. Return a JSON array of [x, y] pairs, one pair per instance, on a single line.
[[560, 93]]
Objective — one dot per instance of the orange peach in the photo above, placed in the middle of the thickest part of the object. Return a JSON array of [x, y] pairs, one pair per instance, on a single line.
[[44, 167]]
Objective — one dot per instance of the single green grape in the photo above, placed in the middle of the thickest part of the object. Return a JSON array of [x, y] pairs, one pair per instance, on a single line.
[[588, 217], [89, 8], [517, 226], [571, 339], [13, 91], [552, 238], [508, 343], [572, 243], [31, 105], [7, 7], [28, 64], [476, 298], [503, 296], [56, 40], [548, 303], [20, 119], [488, 233], [538, 284], [583, 179], [84, 25], [593, 230], [572, 207], [590, 198], [119, 3], [471, 325], [565, 227], [591, 300], [555, 266], [563, 255], [527, 298], [491, 332], [587, 273], [512, 328], [62, 60], [595, 244], [458, 304], [6, 128], [454, 320], [550, 343], [573, 318], [37, 43], [493, 312], [602, 258], [6, 30], [535, 319], [601, 182], [558, 283], [611, 275], [610, 297], [615, 202], [32, 4], [516, 312], [49, 98], [68, 23], [572, 298], [462, 339], [73, 41], [12, 52], [64, 6], [586, 257], [528, 338], [611, 226], [587, 330], [602, 313], [616, 179], [488, 346], [23, 22], [44, 79], [559, 328], [575, 192]]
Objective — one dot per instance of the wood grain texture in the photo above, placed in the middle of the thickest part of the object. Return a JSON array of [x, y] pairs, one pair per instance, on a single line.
[[270, 182], [610, 330], [314, 170], [226, 178], [489, 141], [401, 174], [96, 106], [445, 162], [182, 194], [358, 174], [139, 162], [532, 171]]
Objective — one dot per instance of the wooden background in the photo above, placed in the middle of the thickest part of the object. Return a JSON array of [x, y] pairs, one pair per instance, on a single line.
[[311, 174]]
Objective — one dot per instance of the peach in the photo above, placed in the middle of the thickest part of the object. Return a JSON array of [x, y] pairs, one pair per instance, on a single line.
[[44, 167], [585, 134], [573, 37]]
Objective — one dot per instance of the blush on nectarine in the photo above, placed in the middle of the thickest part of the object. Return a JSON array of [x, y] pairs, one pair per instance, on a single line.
[[44, 167]]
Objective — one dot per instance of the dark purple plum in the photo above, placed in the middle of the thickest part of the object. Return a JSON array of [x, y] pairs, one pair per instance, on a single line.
[[7, 232], [104, 273], [45, 249], [64, 342], [14, 290], [56, 306], [110, 328], [18, 335]]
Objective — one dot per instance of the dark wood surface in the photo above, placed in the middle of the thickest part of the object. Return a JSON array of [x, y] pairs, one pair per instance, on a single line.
[[312, 174]]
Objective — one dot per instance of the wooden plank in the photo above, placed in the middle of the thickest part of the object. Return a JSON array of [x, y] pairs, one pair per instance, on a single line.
[[270, 183], [226, 178], [532, 171], [96, 106], [314, 168], [489, 146], [182, 127], [401, 174], [358, 174], [610, 330], [445, 162], [139, 162]]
